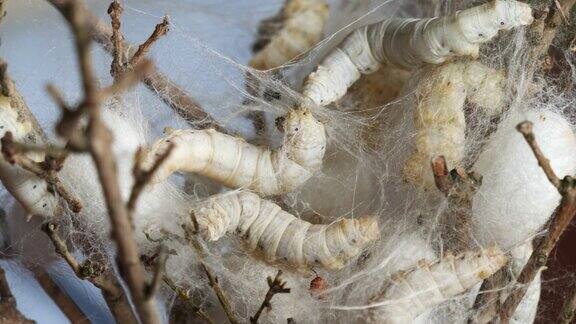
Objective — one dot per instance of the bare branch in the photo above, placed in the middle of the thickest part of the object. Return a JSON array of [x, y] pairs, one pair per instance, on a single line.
[[213, 280], [66, 305], [184, 296], [158, 272], [190, 234], [168, 91], [276, 286], [459, 187], [525, 128], [104, 280], [143, 177], [48, 170], [160, 30], [8, 310], [99, 139], [560, 221], [118, 67]]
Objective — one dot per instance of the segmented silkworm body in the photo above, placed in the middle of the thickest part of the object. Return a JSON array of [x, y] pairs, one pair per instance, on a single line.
[[281, 237], [516, 199], [29, 190], [418, 290], [303, 25], [439, 116], [237, 164], [410, 43]]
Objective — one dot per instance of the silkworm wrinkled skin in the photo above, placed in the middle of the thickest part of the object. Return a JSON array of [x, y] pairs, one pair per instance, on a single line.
[[303, 25], [416, 291], [237, 164], [439, 116], [411, 43], [29, 190], [281, 237]]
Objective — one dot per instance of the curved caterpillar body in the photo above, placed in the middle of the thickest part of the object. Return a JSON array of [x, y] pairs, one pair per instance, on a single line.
[[303, 25], [410, 43], [29, 190], [237, 164], [419, 290], [439, 116], [280, 236]]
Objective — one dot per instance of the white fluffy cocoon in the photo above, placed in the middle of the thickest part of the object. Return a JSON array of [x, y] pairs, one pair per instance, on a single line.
[[516, 198]]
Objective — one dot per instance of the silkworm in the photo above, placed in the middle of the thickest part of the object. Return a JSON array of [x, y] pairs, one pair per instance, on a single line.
[[416, 291], [516, 199], [411, 43], [303, 25], [279, 236], [29, 190], [237, 164], [439, 115]]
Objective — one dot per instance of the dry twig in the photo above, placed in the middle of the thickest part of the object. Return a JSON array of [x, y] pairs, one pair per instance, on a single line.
[[543, 30], [14, 153], [98, 137], [107, 282], [9, 313], [275, 286], [104, 280], [66, 305], [168, 91], [143, 177], [560, 220], [459, 187], [212, 279]]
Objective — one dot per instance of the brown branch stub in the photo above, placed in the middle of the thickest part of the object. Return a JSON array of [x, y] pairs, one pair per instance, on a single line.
[[526, 129], [184, 296], [9, 312], [160, 30], [560, 221], [459, 186], [60, 298], [159, 270], [143, 177], [117, 67], [275, 286], [213, 280]]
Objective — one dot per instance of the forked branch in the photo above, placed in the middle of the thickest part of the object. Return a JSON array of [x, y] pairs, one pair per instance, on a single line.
[[560, 221], [275, 286]]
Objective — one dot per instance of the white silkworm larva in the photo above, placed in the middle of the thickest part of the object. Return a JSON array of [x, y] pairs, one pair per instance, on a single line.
[[281, 237], [439, 115], [29, 190], [414, 292], [303, 25], [410, 43], [237, 164]]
